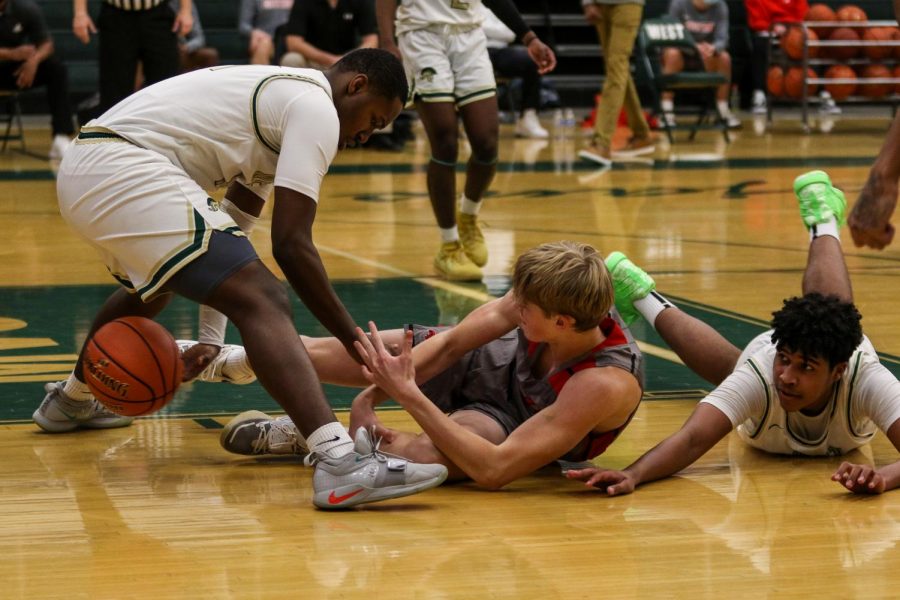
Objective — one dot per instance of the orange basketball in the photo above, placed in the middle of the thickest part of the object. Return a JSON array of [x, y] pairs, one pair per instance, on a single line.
[[792, 43], [895, 35], [875, 90], [133, 366], [840, 91], [775, 81], [793, 82], [843, 34], [851, 12], [878, 35], [896, 73], [821, 12]]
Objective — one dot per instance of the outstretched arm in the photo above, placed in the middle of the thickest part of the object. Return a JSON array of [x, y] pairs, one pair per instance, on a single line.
[[866, 479], [703, 430]]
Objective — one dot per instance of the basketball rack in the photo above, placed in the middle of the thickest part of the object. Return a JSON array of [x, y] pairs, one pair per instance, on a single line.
[[805, 62]]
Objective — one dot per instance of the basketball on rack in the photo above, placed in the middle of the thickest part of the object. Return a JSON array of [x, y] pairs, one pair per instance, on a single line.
[[851, 12], [896, 73], [875, 90], [895, 36], [878, 34], [821, 12], [775, 81], [843, 34], [792, 43], [133, 366], [840, 91], [793, 82]]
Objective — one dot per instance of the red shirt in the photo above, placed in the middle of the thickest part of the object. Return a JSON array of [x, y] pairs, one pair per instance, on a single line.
[[762, 13]]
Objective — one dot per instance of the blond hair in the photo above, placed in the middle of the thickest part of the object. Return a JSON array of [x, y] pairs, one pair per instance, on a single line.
[[565, 278]]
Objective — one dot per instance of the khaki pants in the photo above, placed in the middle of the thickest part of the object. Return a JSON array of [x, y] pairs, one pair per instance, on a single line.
[[617, 29]]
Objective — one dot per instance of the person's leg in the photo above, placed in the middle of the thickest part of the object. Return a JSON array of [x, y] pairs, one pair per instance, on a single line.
[[158, 44], [702, 349], [482, 128], [52, 73], [626, 22], [758, 65], [334, 365], [440, 122], [823, 209], [672, 62], [118, 39]]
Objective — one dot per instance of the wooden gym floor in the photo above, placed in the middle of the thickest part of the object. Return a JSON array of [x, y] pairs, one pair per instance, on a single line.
[[158, 510]]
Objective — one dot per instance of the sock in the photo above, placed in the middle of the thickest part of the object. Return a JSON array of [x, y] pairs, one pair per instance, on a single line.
[[449, 234], [829, 227], [237, 366], [651, 305], [759, 96], [75, 390], [331, 439], [722, 107], [668, 106], [468, 207]]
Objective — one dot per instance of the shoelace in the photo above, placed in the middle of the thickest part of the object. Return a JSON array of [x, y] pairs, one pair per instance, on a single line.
[[271, 432], [312, 458]]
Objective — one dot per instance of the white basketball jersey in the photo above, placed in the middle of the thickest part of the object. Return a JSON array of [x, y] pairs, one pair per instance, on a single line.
[[420, 14], [258, 124], [867, 397]]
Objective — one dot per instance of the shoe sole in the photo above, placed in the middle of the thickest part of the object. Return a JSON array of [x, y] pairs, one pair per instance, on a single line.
[[320, 499], [238, 420], [594, 157], [53, 426], [636, 152]]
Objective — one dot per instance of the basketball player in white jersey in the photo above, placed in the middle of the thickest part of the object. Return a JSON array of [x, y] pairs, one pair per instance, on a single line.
[[134, 186], [445, 55], [812, 385]]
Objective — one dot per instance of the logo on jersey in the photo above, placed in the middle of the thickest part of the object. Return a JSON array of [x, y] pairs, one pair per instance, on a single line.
[[427, 74], [212, 204]]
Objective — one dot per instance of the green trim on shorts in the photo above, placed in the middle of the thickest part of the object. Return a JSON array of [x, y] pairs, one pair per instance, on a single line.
[[123, 281], [171, 265], [765, 385], [435, 96], [255, 97], [475, 96]]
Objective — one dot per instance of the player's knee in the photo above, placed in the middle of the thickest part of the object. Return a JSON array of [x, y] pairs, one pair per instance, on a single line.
[[445, 148], [422, 450]]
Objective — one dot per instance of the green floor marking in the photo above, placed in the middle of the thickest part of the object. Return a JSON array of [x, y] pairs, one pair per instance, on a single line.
[[57, 319]]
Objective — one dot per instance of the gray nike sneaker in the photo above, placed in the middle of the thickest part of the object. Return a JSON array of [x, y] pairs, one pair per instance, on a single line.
[[367, 475], [254, 432], [60, 414]]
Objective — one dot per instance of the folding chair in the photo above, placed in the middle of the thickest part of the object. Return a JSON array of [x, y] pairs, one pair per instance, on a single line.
[[654, 36], [12, 116]]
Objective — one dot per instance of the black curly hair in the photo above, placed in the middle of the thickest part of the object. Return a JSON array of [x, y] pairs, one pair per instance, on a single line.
[[385, 71], [817, 325]]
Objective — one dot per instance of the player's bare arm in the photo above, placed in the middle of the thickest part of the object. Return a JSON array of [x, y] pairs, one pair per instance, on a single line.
[[293, 249], [703, 430], [540, 440], [867, 479], [385, 10]]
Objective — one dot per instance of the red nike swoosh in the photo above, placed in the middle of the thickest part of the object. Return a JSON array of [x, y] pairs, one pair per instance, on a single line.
[[332, 499]]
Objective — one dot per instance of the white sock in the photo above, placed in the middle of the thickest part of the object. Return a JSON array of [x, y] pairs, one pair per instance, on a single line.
[[651, 305], [468, 207], [331, 439], [722, 107], [829, 227], [75, 390], [668, 106], [759, 96], [449, 234], [237, 366]]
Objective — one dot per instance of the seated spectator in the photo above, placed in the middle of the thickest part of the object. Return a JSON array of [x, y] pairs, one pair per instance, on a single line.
[[193, 52], [27, 59], [319, 32], [259, 21], [512, 62], [707, 22]]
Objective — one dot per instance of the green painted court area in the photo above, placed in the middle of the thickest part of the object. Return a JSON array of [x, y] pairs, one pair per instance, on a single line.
[[41, 330]]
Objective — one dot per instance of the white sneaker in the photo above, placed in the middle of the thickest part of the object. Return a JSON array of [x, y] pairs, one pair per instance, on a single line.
[[529, 126], [254, 432], [669, 119], [215, 370], [828, 106], [58, 146], [759, 103], [732, 121], [367, 475], [60, 414]]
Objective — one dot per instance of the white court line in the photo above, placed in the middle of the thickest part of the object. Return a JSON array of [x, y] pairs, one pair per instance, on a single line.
[[646, 347]]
